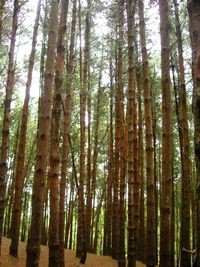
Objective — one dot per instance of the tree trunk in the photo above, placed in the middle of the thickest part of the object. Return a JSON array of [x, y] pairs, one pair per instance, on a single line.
[[131, 113], [166, 182], [66, 129], [81, 235], [33, 245], [185, 182], [6, 117], [108, 211], [123, 139], [95, 153], [141, 229], [20, 165], [151, 219], [194, 17], [55, 258]]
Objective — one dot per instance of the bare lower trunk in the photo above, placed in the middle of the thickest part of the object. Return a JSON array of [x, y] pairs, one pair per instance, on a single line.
[[6, 116]]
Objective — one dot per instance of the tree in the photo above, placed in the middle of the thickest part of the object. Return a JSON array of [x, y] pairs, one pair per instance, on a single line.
[[20, 161], [130, 124], [194, 17], [54, 250], [66, 131], [33, 245], [185, 185], [81, 234], [6, 116], [151, 219], [166, 182]]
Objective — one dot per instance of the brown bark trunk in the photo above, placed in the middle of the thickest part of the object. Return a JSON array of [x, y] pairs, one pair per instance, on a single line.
[[185, 182], [55, 257], [95, 150], [108, 212], [194, 17], [166, 182], [20, 165], [6, 116], [141, 229], [67, 119], [123, 140], [33, 245], [89, 180], [130, 123], [81, 234], [151, 221]]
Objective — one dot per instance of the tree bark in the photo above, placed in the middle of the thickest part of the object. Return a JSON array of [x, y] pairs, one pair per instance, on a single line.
[[130, 123], [20, 165], [194, 18], [55, 257], [108, 211], [123, 139], [66, 129], [33, 245], [185, 182], [166, 182], [151, 214], [6, 117]]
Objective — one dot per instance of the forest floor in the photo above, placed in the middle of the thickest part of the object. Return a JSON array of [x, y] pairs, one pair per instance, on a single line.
[[71, 261]]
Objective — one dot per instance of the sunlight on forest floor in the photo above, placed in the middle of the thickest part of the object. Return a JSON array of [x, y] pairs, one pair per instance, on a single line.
[[71, 260]]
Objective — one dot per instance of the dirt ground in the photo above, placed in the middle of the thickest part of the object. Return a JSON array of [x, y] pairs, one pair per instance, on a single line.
[[70, 259]]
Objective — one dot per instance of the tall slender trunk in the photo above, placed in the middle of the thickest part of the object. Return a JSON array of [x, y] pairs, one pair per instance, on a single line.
[[108, 212], [81, 239], [141, 230], [194, 17], [151, 222], [166, 182], [95, 150], [89, 174], [185, 182], [122, 141], [6, 117], [67, 119], [131, 113], [33, 245], [19, 175], [55, 258]]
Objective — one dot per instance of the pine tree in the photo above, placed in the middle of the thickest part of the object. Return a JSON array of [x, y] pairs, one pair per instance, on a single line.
[[166, 182], [33, 245], [194, 18], [20, 160], [6, 116]]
